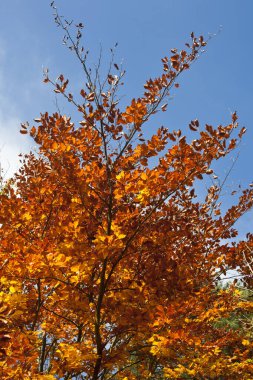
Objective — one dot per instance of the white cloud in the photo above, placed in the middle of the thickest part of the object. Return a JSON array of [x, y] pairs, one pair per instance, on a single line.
[[11, 142]]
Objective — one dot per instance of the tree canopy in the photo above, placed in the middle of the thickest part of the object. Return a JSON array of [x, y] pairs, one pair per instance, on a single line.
[[110, 263]]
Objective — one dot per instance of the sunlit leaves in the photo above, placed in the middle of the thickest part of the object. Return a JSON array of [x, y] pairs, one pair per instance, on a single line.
[[110, 261]]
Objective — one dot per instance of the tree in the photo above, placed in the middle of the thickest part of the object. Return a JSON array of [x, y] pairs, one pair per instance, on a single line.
[[110, 265]]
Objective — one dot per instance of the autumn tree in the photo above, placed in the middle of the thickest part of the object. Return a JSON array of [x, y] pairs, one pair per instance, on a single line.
[[109, 261]]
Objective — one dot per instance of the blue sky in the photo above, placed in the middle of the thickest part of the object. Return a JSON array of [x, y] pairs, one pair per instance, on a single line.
[[219, 83]]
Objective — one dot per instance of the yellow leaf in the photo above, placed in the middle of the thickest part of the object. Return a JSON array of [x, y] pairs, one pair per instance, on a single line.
[[12, 289], [75, 224], [75, 200], [144, 176], [74, 279], [120, 175], [121, 236], [217, 350], [27, 216], [75, 268]]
